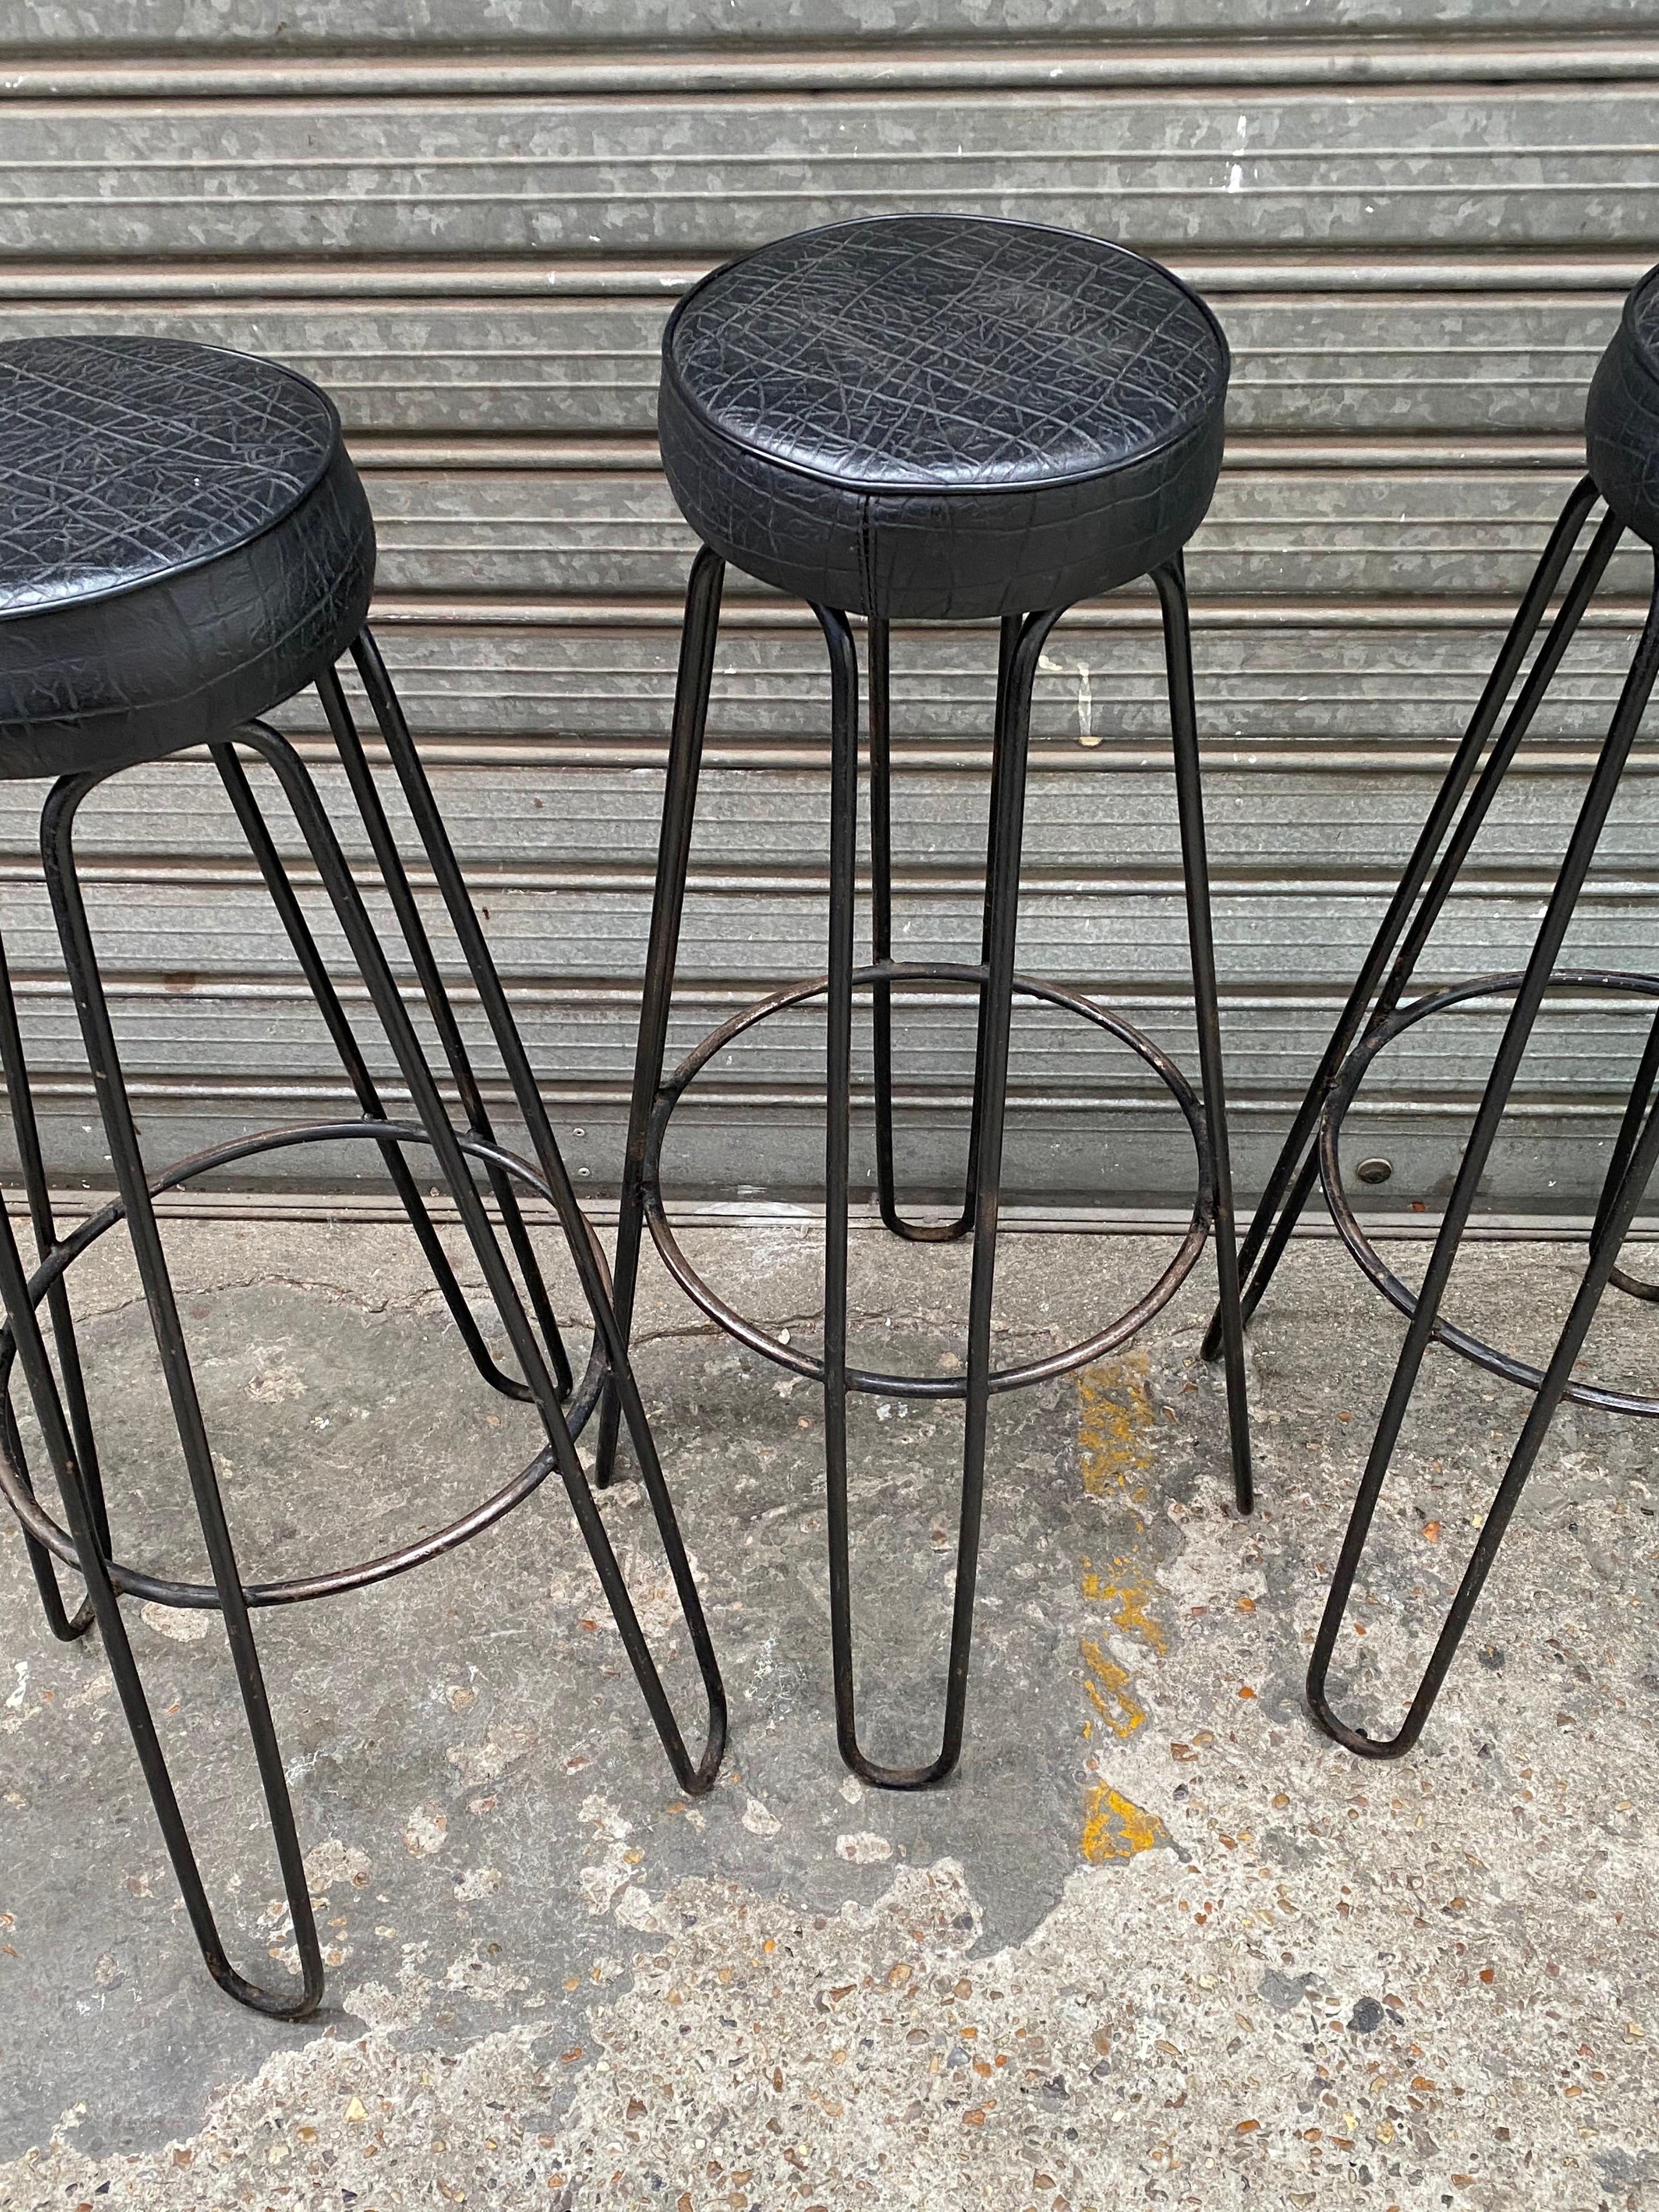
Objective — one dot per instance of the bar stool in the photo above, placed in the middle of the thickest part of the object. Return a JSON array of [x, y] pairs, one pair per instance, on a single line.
[[1622, 429], [946, 419], [184, 543]]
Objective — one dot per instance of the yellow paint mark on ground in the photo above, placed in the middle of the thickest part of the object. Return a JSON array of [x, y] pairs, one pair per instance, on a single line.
[[1114, 1422], [1109, 1687], [1125, 1596], [1113, 1828]]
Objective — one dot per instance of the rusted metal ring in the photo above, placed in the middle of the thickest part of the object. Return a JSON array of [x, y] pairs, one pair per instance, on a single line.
[[919, 1386], [133, 1582], [1342, 1093]]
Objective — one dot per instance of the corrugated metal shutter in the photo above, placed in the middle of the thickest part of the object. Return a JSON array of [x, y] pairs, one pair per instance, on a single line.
[[1416, 225]]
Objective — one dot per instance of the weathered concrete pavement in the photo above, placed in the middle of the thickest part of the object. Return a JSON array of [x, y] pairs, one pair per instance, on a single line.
[[1158, 1942]]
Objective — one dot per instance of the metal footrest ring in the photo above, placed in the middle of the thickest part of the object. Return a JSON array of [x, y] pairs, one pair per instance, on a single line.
[[1352, 1074], [133, 1582], [918, 1386]]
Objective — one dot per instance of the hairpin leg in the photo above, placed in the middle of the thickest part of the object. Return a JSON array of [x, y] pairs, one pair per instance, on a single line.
[[1558, 917], [1297, 1169], [327, 1001], [80, 961], [990, 1100], [32, 1166], [1183, 721], [698, 638], [881, 939], [413, 931], [695, 1777]]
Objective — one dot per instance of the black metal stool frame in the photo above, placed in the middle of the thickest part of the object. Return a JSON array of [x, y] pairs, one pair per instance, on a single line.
[[995, 984], [60, 1408], [1374, 1016]]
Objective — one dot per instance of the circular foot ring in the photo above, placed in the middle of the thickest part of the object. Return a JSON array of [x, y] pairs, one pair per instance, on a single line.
[[1349, 1078], [132, 1581], [919, 1386]]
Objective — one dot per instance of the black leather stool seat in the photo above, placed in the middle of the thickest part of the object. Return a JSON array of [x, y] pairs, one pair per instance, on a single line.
[[184, 543], [1621, 420], [943, 416]]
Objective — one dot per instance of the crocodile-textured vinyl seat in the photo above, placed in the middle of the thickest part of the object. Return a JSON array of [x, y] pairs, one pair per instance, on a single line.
[[184, 543], [943, 416], [1621, 419]]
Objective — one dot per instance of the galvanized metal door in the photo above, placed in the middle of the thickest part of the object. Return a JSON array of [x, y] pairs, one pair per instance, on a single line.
[[1416, 222]]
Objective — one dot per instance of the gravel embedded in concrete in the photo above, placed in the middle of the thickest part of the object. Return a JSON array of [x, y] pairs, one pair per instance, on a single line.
[[1158, 1942]]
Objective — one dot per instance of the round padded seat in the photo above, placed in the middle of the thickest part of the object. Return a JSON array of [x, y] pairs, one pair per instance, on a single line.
[[184, 543], [1621, 420], [943, 416]]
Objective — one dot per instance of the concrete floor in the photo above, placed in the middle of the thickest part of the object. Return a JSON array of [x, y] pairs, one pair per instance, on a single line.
[[1157, 1942]]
